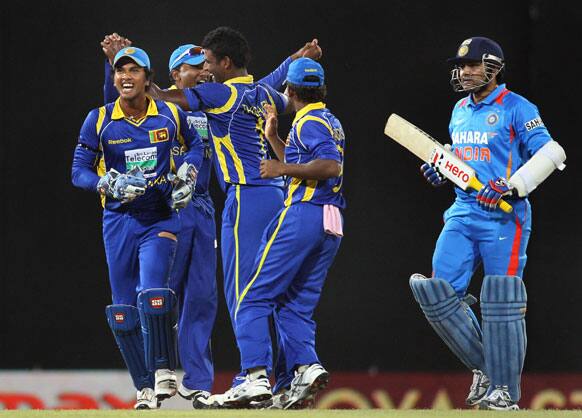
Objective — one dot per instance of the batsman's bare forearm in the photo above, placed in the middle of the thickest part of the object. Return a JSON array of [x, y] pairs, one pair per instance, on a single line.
[[313, 170], [175, 96]]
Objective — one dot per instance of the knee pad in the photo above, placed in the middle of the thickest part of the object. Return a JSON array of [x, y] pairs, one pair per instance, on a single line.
[[449, 317], [158, 311], [503, 306], [125, 325]]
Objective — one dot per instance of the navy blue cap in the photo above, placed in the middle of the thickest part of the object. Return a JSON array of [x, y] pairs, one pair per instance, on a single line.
[[473, 49], [186, 54], [137, 55], [305, 72]]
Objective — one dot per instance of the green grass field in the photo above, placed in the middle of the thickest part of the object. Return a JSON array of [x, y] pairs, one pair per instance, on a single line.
[[316, 413]]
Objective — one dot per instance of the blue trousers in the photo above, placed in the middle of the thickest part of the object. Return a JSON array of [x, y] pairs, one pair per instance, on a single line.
[[193, 279], [472, 236], [139, 253], [288, 277]]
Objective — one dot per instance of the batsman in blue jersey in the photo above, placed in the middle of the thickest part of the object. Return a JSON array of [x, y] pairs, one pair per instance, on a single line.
[[124, 153], [234, 107], [297, 248], [501, 135]]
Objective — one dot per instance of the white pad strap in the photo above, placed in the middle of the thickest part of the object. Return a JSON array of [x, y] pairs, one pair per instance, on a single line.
[[538, 168]]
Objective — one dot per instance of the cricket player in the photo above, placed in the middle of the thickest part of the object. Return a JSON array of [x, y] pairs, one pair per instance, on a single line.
[[234, 107], [129, 143], [501, 135], [298, 246]]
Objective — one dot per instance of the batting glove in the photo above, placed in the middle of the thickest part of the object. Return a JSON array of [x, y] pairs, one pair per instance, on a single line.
[[432, 175], [184, 184], [491, 193]]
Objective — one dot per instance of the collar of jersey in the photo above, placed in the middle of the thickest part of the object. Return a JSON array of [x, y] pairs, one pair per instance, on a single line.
[[308, 108], [117, 113], [491, 97], [245, 79]]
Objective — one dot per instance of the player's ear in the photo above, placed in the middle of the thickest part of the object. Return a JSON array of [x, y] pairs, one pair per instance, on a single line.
[[226, 63], [175, 75]]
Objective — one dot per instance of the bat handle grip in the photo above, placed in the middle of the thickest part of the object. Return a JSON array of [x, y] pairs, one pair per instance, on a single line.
[[476, 185]]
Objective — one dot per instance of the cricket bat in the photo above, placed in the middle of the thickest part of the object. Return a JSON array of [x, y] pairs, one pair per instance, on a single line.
[[430, 150]]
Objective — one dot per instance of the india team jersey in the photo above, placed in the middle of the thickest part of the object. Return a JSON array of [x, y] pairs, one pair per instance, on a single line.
[[123, 144], [236, 126], [316, 134], [497, 135]]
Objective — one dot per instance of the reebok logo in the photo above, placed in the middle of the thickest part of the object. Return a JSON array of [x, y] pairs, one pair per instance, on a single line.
[[157, 302]]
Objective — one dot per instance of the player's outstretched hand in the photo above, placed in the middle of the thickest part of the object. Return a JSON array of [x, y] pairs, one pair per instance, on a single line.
[[491, 193], [112, 44], [271, 168], [309, 50], [432, 175]]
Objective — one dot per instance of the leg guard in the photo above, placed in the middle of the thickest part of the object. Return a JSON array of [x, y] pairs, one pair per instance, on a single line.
[[125, 324], [503, 305], [450, 319], [158, 310]]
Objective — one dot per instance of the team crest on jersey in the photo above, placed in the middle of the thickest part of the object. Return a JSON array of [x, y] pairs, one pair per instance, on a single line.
[[159, 135], [119, 317], [492, 119], [157, 302]]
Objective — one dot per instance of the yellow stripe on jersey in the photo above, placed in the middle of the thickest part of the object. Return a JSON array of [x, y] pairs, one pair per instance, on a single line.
[[236, 245], [292, 187], [174, 110], [308, 108], [100, 119], [262, 262], [314, 118], [229, 103], [117, 112], [309, 190], [227, 143], [101, 169]]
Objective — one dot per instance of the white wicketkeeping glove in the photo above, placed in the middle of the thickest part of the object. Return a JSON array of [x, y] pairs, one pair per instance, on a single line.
[[184, 183]]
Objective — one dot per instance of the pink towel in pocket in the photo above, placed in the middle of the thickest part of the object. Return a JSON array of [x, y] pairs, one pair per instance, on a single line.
[[332, 220]]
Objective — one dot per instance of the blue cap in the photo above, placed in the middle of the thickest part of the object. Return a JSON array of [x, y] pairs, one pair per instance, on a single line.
[[186, 54], [137, 55], [473, 49], [305, 72]]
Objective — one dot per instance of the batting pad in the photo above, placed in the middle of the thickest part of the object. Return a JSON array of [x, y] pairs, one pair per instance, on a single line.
[[450, 319], [158, 310], [503, 305], [124, 322]]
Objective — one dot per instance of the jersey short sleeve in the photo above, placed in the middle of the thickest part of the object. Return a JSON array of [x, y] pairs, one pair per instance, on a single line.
[[318, 140], [277, 99], [529, 128], [89, 136], [208, 96]]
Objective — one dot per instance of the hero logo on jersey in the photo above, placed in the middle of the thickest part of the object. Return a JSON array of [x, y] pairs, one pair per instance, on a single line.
[[144, 158], [534, 123], [159, 135], [157, 302], [119, 317]]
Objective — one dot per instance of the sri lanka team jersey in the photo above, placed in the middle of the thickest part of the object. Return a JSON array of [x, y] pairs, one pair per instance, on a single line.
[[236, 126], [496, 136], [316, 134], [123, 144]]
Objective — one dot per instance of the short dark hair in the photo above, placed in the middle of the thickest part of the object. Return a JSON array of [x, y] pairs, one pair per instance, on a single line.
[[309, 94], [227, 42]]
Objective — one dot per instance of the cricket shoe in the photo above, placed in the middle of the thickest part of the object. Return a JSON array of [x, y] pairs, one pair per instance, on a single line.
[[276, 402], [255, 390], [499, 400], [166, 383], [191, 394], [146, 399], [305, 385], [478, 389]]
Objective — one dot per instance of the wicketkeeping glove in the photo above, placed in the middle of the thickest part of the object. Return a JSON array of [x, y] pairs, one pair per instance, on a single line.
[[123, 187], [491, 193], [184, 183], [432, 175]]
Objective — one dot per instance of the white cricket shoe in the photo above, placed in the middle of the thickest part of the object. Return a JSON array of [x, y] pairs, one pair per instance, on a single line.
[[305, 385], [191, 394], [166, 383], [254, 390], [499, 400], [478, 389], [146, 399]]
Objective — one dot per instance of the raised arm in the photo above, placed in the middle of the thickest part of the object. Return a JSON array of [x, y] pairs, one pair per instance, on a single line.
[[111, 45], [175, 96]]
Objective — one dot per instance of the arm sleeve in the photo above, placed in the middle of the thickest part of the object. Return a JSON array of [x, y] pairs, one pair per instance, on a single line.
[[110, 93], [278, 76], [529, 129], [192, 141], [83, 173], [207, 96], [318, 140], [279, 100]]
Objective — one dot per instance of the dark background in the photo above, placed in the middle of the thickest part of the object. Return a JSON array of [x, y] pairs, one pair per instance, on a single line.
[[379, 59]]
